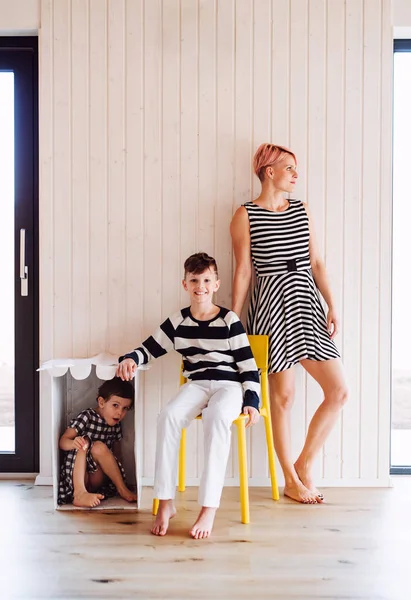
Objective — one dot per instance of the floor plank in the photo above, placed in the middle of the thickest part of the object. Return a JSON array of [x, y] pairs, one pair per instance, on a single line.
[[356, 546]]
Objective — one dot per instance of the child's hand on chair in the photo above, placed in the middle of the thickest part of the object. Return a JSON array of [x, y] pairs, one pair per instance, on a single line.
[[253, 415]]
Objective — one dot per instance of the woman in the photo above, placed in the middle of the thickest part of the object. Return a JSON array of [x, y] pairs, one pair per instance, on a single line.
[[276, 235]]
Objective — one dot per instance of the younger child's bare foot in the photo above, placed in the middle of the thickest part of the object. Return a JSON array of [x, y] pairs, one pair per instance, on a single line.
[[87, 500], [298, 492], [305, 477], [203, 526], [166, 511], [127, 494]]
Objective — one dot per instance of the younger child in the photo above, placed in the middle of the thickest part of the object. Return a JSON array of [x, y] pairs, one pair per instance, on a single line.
[[222, 380], [91, 469]]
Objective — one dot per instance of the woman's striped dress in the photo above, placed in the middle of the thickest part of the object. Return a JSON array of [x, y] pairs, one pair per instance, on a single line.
[[285, 303]]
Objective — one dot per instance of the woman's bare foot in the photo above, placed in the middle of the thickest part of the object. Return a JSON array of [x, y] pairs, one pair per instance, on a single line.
[[298, 492], [86, 500], [127, 494], [166, 511], [304, 475], [204, 524]]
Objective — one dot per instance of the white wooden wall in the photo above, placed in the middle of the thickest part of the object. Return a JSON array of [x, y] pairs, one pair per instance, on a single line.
[[151, 111]]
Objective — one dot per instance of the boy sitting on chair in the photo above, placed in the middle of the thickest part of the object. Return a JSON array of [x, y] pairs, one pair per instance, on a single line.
[[222, 381]]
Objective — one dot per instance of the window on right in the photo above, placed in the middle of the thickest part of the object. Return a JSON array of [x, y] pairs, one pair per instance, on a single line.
[[401, 265]]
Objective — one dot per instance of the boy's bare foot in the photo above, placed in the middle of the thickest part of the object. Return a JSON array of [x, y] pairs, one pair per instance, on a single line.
[[166, 511], [305, 477], [298, 492], [87, 500], [204, 524], [127, 494]]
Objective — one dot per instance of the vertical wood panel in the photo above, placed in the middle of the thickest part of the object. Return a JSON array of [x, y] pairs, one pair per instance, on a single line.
[[171, 157], [298, 82], [207, 125], [317, 115], [116, 174], [243, 101], [189, 130], [153, 223], [384, 343], [280, 117], [46, 173], [172, 273], [261, 78], [134, 179], [63, 281], [334, 188], [316, 160], [370, 240], [224, 146], [351, 315], [98, 235], [80, 176], [46, 226]]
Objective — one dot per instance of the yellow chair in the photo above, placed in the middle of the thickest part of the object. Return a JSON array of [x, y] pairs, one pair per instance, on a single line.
[[259, 346]]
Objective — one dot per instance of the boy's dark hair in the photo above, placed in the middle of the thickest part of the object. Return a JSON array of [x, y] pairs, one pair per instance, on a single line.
[[117, 387], [200, 262]]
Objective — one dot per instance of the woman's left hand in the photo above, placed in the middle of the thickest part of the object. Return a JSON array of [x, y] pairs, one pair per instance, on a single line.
[[333, 324]]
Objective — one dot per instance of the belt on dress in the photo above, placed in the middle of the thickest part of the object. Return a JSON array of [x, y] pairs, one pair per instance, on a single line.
[[283, 266]]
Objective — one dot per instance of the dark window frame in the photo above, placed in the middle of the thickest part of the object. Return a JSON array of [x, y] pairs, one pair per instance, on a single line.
[[26, 457], [401, 46]]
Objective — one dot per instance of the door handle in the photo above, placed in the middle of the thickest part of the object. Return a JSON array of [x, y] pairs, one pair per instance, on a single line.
[[24, 270]]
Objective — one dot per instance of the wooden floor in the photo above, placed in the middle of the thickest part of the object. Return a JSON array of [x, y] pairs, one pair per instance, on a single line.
[[356, 546]]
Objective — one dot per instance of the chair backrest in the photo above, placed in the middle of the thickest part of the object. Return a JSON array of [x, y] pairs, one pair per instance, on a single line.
[[259, 347]]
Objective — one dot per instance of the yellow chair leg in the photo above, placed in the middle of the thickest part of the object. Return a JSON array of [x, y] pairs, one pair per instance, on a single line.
[[182, 463], [270, 440], [242, 464], [271, 457], [155, 506]]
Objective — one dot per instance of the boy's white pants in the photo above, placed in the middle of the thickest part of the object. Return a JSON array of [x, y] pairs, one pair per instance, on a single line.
[[220, 404]]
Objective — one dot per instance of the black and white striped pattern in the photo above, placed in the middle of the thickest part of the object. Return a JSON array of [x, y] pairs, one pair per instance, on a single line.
[[215, 350], [285, 303]]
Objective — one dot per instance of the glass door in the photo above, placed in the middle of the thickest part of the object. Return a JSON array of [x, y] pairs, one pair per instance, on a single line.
[[18, 251], [401, 291], [7, 418]]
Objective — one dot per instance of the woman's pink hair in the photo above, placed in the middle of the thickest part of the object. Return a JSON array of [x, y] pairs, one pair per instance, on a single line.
[[268, 155]]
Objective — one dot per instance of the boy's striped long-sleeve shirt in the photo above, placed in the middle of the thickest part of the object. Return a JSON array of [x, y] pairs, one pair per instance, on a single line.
[[214, 350]]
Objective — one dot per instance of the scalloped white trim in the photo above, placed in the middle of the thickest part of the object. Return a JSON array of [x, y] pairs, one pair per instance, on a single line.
[[80, 368]]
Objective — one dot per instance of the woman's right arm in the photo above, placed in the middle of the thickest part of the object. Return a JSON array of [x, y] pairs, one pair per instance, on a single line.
[[240, 235]]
